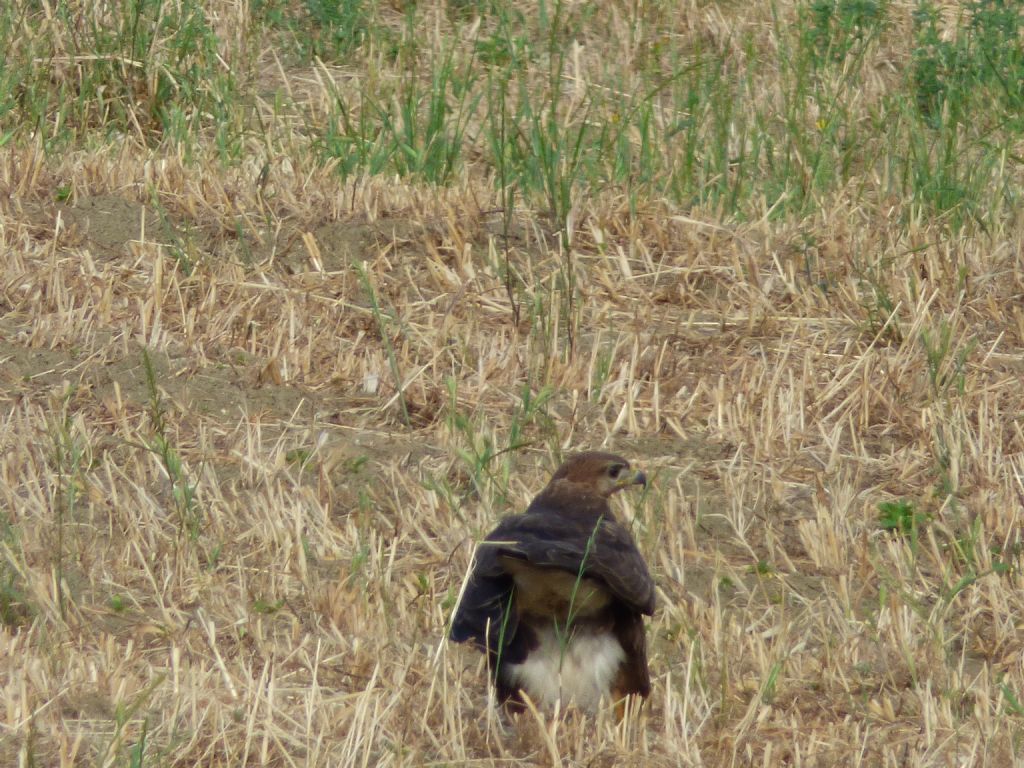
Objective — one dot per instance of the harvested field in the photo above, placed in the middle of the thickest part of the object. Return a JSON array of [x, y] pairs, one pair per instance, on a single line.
[[294, 307]]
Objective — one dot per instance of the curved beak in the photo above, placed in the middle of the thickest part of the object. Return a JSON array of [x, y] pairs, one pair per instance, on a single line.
[[632, 477]]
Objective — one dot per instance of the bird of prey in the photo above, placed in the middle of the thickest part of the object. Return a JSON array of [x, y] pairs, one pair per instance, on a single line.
[[556, 595]]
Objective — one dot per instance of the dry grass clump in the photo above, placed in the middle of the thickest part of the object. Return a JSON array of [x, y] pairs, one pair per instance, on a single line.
[[259, 404]]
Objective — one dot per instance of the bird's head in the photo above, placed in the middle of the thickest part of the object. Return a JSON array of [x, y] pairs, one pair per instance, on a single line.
[[595, 473]]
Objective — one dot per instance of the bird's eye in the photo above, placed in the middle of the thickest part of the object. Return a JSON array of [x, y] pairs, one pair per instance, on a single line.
[[615, 470]]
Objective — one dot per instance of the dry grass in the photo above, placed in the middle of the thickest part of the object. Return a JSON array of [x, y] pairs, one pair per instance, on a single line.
[[247, 552]]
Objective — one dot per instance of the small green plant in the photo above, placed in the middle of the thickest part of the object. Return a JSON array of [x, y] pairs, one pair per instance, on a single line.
[[966, 546], [360, 558], [833, 29], [531, 411], [356, 464], [137, 753], [1013, 704], [178, 246], [946, 363], [427, 131], [335, 27], [299, 457], [507, 44], [771, 683], [900, 517], [267, 607], [449, 601], [966, 549], [423, 583], [213, 556], [124, 713], [878, 303], [1004, 561], [325, 30], [480, 450], [118, 604]]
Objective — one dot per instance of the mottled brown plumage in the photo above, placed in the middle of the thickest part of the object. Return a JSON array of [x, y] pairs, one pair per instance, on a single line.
[[557, 594]]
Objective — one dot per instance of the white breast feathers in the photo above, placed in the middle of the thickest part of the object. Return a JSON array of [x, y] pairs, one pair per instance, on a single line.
[[578, 670]]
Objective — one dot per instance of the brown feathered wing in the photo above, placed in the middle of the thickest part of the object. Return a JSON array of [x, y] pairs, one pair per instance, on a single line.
[[590, 545]]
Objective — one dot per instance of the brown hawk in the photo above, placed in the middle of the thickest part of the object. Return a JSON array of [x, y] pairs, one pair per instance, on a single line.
[[556, 595]]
